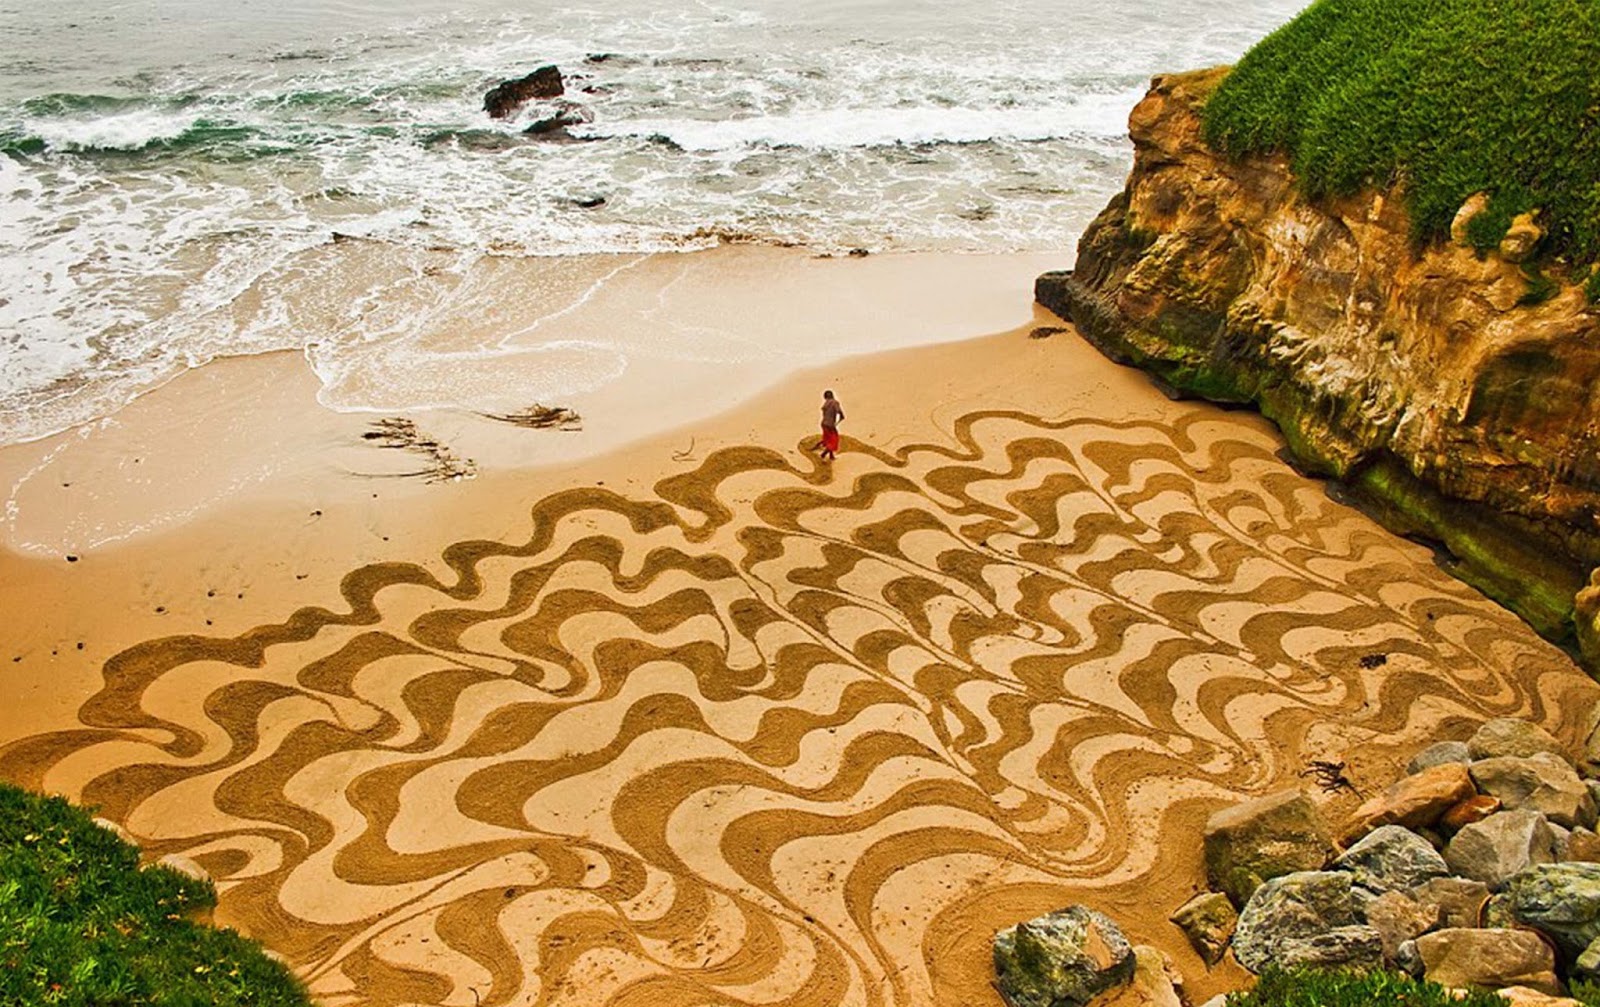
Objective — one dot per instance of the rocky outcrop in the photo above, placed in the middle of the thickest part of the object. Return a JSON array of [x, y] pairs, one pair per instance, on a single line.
[[1457, 395]]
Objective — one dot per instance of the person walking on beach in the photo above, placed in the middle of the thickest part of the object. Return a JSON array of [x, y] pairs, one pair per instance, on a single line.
[[832, 414]]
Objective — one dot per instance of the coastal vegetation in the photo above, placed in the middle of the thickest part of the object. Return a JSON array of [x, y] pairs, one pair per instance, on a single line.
[[1310, 987], [1443, 98], [82, 924]]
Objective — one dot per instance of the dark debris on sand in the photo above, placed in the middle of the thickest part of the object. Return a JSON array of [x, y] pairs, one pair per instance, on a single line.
[[537, 417], [403, 434]]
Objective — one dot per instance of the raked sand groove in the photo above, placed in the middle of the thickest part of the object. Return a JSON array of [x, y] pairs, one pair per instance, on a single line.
[[785, 734]]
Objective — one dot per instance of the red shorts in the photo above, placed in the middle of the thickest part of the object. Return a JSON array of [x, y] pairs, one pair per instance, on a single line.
[[830, 439]]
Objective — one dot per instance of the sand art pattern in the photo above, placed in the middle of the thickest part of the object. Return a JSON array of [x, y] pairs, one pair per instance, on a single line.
[[781, 735]]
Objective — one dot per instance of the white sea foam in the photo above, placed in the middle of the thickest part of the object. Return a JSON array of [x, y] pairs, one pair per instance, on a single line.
[[161, 208]]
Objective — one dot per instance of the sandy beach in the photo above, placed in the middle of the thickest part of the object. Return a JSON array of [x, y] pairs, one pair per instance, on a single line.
[[668, 710]]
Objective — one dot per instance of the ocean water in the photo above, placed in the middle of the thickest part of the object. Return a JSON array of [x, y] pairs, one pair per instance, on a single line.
[[181, 180]]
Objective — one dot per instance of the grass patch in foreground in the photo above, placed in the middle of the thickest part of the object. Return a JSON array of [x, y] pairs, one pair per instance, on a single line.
[[1443, 97], [82, 925], [1313, 988]]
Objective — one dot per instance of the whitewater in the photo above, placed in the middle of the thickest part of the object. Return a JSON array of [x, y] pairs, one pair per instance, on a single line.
[[187, 181]]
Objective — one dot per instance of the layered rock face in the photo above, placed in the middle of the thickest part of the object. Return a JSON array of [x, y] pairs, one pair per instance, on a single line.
[[1426, 379]]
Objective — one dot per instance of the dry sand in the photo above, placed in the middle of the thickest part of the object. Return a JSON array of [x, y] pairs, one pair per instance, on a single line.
[[718, 723]]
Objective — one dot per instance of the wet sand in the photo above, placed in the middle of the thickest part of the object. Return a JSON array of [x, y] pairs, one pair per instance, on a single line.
[[695, 717]]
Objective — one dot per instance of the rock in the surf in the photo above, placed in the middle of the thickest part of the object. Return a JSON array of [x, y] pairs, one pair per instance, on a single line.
[[506, 99]]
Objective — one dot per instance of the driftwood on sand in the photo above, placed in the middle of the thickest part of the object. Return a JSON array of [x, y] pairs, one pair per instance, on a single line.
[[537, 417], [444, 465]]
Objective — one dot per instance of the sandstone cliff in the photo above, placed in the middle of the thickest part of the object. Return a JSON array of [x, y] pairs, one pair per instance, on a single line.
[[1454, 393]]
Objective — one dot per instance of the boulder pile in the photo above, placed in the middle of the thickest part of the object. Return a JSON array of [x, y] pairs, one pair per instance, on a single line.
[[1479, 868]]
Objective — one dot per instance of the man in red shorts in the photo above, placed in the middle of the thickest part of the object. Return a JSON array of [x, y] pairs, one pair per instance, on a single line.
[[832, 414]]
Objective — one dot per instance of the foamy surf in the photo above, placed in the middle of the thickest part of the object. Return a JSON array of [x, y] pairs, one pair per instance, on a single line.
[[165, 208]]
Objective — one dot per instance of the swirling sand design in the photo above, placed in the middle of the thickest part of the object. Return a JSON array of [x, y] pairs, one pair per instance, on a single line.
[[783, 734]]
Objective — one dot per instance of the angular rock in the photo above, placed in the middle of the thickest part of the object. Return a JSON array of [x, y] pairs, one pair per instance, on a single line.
[[1561, 901], [1262, 839], [1293, 907], [1494, 849], [1398, 918], [1392, 859], [505, 99], [1458, 901], [1437, 754], [1416, 801], [1523, 996], [1208, 921], [1473, 809], [1546, 784], [1587, 964], [1359, 948], [1563, 843], [1512, 737], [1583, 845], [116, 830], [1488, 959], [1155, 983], [1522, 237], [1061, 959], [183, 865]]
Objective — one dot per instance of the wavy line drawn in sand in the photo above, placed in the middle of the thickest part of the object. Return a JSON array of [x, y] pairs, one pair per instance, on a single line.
[[781, 735]]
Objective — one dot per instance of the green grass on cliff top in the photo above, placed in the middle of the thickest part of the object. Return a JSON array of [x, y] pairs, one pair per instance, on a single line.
[[1444, 97], [82, 926]]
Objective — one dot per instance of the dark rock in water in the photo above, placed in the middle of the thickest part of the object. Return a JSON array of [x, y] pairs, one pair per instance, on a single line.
[[559, 121], [589, 202], [1392, 859], [859, 253], [1061, 959], [486, 140], [505, 99], [1293, 907], [1561, 901], [1263, 839]]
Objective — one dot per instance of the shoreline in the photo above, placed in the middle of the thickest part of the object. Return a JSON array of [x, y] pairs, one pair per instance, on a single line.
[[725, 721]]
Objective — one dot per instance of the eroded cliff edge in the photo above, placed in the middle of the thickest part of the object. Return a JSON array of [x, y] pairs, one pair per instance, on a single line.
[[1454, 393]]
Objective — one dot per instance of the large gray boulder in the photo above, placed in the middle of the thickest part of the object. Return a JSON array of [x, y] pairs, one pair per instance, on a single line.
[[1514, 738], [1494, 849], [1544, 783], [1489, 959], [1293, 907], [1061, 959], [1437, 754], [1458, 901], [1359, 948], [1392, 859], [1208, 921], [1266, 838], [1561, 901]]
